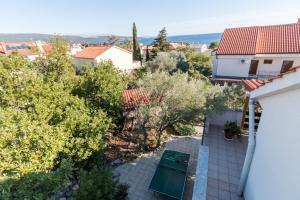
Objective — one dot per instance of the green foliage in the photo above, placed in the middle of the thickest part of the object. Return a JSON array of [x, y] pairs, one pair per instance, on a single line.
[[99, 184], [102, 87], [199, 62], [57, 66], [214, 45], [232, 128], [43, 121], [174, 98], [184, 129], [126, 44], [36, 185], [167, 61], [160, 44], [136, 47], [234, 96]]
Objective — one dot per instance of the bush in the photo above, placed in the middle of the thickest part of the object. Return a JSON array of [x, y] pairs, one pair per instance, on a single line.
[[184, 129], [99, 184], [36, 185]]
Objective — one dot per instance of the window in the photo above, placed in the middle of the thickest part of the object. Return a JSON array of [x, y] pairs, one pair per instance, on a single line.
[[286, 65], [253, 67], [268, 61]]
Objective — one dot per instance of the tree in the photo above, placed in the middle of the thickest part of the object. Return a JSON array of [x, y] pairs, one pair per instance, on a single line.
[[161, 43], [213, 44], [102, 88], [44, 121], [234, 95], [126, 44], [136, 48], [168, 61], [197, 62], [112, 40], [173, 98]]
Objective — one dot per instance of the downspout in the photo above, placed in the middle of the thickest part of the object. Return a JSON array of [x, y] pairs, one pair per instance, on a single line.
[[250, 148]]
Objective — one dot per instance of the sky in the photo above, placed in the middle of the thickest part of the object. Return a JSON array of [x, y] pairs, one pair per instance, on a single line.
[[180, 17]]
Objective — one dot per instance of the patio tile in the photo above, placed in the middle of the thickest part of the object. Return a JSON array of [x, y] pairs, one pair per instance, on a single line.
[[226, 170], [138, 173], [224, 195]]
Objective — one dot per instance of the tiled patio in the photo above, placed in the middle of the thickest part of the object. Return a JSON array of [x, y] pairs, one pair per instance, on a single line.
[[138, 173], [225, 163]]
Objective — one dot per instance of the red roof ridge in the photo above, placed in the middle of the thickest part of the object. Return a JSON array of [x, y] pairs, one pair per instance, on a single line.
[[92, 51], [268, 39]]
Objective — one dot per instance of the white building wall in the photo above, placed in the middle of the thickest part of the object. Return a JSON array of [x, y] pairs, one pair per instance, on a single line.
[[231, 65], [121, 59], [275, 171]]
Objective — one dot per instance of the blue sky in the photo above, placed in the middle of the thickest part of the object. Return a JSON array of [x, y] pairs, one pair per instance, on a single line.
[[91, 17]]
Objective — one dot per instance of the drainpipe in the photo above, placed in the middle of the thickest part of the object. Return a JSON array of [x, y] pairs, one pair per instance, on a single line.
[[250, 148]]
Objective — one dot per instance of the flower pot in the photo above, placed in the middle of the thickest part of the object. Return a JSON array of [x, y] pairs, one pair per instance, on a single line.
[[228, 135]]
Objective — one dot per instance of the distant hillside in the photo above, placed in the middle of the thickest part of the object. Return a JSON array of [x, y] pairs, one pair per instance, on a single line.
[[22, 37], [199, 38]]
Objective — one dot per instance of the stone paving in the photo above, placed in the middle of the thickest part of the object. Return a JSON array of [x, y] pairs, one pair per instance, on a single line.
[[225, 163], [138, 173]]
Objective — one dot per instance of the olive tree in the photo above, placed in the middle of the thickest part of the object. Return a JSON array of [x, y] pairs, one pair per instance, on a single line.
[[173, 98], [168, 61]]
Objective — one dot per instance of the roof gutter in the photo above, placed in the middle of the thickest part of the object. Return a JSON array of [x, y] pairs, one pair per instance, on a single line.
[[250, 148]]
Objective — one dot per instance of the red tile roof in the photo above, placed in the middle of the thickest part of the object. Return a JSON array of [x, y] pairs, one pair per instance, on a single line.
[[47, 48], [135, 97], [253, 84], [92, 52], [260, 40]]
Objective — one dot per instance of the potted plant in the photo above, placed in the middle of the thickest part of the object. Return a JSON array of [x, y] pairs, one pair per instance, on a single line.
[[227, 131], [231, 129]]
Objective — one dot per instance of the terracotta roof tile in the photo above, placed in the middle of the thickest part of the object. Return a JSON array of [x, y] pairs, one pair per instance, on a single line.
[[92, 52], [47, 48], [261, 40], [135, 97], [253, 84]]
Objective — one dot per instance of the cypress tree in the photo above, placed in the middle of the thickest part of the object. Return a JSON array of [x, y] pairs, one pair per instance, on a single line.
[[136, 48]]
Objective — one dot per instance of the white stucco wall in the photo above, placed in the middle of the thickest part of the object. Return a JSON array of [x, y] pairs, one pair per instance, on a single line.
[[219, 119], [121, 59], [231, 65], [275, 170]]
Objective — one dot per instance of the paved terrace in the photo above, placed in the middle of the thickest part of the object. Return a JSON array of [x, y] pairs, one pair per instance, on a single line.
[[225, 164], [139, 173]]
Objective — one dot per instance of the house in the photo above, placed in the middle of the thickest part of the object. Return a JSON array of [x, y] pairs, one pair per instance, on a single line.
[[271, 168], [202, 48], [28, 50], [132, 99], [260, 52], [121, 58]]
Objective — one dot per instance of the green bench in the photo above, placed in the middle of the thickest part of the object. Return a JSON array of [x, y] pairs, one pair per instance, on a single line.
[[171, 174]]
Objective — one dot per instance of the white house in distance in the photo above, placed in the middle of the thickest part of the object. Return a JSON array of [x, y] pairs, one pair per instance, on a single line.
[[202, 48], [257, 52], [121, 58], [274, 167]]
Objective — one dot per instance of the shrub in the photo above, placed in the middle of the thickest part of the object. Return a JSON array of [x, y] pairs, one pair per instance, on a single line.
[[184, 129], [99, 184], [36, 185]]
